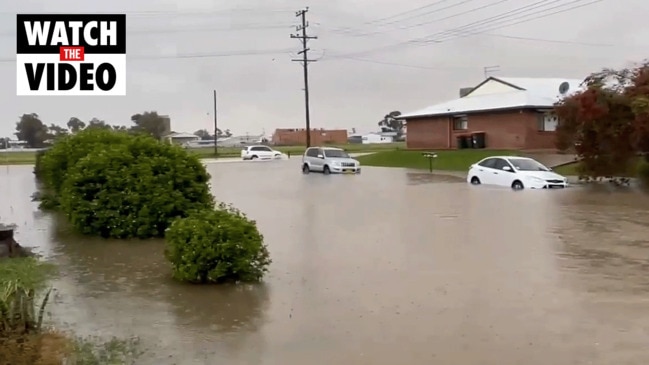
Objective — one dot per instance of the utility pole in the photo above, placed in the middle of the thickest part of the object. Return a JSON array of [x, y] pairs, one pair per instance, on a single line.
[[304, 38], [216, 128]]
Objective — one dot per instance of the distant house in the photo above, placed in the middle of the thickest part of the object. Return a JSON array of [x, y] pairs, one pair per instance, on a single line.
[[371, 138], [513, 113], [297, 137], [181, 138]]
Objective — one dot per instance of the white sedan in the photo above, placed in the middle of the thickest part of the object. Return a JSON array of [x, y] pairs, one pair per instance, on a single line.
[[515, 172], [259, 152]]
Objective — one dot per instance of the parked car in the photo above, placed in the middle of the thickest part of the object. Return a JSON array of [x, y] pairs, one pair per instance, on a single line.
[[259, 152], [329, 160], [515, 172]]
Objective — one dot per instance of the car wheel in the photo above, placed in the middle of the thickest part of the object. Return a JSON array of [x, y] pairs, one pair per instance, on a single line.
[[305, 169], [475, 180], [326, 170], [253, 157], [517, 185]]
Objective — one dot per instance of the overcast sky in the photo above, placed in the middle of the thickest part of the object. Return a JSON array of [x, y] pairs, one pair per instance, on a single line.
[[374, 56]]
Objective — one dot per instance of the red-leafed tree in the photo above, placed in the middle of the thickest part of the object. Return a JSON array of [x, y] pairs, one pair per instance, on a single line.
[[607, 123]]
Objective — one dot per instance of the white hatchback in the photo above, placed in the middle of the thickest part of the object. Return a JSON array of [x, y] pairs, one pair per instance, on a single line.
[[515, 172], [259, 152]]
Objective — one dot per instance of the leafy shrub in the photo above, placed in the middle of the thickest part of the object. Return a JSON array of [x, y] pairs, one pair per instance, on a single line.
[[643, 171], [215, 246], [133, 189], [54, 164]]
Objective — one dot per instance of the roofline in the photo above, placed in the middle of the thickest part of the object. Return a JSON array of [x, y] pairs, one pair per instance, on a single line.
[[524, 107], [495, 79]]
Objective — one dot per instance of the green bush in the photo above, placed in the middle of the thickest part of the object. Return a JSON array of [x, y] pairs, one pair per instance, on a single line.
[[643, 171], [133, 189], [216, 246], [54, 164]]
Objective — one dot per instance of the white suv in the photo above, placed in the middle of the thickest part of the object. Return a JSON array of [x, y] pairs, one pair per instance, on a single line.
[[329, 160], [259, 152]]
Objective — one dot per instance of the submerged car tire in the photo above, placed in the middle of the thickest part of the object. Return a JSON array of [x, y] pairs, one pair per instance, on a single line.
[[517, 185], [475, 180], [305, 169], [326, 170], [253, 157]]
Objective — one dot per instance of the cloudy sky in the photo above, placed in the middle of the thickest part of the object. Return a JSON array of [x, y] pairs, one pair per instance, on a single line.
[[374, 56]]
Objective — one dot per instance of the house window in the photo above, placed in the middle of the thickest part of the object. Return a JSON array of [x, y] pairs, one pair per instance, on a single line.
[[460, 123], [548, 122]]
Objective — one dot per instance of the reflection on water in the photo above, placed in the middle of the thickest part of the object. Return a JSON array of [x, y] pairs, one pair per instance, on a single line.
[[386, 267]]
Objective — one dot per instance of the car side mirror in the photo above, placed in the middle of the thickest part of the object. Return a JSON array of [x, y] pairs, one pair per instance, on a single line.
[[507, 168], [321, 156]]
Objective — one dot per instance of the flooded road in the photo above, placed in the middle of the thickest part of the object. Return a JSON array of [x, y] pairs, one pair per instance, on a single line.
[[388, 267]]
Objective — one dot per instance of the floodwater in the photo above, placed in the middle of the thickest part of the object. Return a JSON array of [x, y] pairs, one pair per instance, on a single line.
[[388, 267]]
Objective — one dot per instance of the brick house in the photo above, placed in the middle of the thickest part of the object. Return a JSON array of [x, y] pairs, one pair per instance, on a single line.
[[319, 137], [513, 113]]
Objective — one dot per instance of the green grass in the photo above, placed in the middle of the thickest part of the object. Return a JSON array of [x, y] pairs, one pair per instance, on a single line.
[[456, 160], [572, 169], [17, 158], [29, 158]]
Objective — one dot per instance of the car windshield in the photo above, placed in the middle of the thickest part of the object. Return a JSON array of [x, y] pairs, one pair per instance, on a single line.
[[336, 153], [527, 165]]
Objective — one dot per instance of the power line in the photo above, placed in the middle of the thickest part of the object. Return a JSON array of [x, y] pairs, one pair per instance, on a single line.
[[548, 40], [238, 27], [410, 17], [406, 12], [498, 19], [503, 23], [304, 38], [462, 2], [192, 56], [434, 20], [147, 13]]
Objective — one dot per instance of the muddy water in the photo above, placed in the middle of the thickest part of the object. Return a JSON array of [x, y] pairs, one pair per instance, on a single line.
[[388, 267]]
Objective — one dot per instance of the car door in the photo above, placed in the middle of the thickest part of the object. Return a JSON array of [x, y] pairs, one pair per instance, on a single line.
[[485, 171], [501, 176], [261, 152], [266, 152], [316, 161]]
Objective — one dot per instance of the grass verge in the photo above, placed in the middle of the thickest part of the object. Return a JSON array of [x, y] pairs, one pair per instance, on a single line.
[[572, 169], [455, 160], [29, 157]]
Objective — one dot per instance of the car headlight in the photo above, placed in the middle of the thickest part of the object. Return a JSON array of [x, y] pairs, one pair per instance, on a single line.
[[336, 163], [536, 179]]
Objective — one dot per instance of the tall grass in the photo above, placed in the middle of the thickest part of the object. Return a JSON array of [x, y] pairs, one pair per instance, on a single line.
[[23, 295]]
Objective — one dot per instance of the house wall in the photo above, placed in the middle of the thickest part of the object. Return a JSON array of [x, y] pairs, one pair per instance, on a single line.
[[376, 138], [297, 137], [182, 140], [504, 130]]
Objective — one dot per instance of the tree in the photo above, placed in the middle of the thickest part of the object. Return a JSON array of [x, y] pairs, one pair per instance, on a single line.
[[607, 122], [216, 246], [390, 122], [96, 123], [4, 143], [75, 125], [56, 131], [203, 134], [226, 133], [150, 123], [31, 130]]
